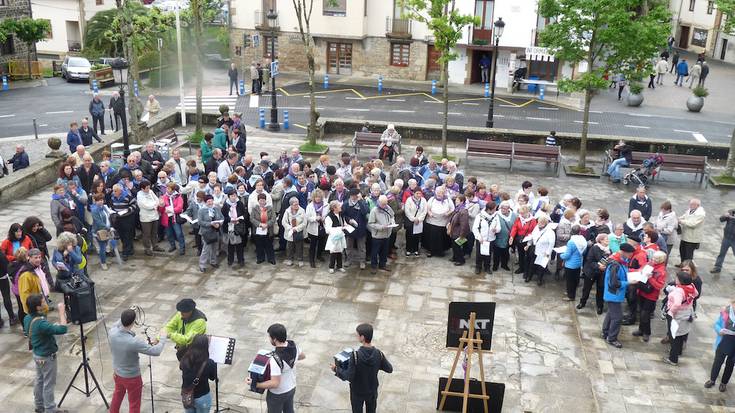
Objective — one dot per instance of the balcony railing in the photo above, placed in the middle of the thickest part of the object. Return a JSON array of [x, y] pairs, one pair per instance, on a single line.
[[74, 45], [262, 22], [397, 27], [482, 36]]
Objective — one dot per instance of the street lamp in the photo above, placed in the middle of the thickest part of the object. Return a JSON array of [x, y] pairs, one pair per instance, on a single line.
[[120, 74], [498, 27], [272, 23]]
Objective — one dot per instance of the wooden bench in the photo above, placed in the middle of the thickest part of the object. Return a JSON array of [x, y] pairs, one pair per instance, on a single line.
[[672, 162], [514, 151], [370, 140]]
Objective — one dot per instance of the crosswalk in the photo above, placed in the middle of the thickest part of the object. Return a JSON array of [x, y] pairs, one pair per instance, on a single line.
[[209, 102]]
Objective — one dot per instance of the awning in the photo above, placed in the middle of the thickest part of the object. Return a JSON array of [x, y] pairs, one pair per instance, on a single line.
[[539, 54]]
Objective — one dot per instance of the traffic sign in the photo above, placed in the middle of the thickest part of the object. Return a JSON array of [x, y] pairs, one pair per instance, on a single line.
[[256, 40], [274, 68]]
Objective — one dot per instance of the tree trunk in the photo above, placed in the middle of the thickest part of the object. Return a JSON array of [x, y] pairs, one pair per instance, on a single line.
[[197, 14], [445, 93], [312, 132], [730, 165], [30, 53], [585, 128], [134, 105]]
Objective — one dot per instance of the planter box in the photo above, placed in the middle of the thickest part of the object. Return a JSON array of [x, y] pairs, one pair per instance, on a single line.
[[569, 172], [713, 180], [102, 76]]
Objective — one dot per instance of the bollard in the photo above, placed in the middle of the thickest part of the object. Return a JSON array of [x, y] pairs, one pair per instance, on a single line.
[[242, 87], [135, 88], [541, 92], [262, 118], [5, 83], [35, 128], [380, 84], [326, 81], [95, 88], [285, 119], [433, 87], [487, 90]]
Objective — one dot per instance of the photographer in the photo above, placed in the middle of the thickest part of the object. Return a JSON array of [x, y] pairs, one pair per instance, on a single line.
[[728, 240], [362, 371], [125, 347]]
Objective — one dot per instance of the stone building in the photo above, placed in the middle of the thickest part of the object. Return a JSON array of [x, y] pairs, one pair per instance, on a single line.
[[12, 48]]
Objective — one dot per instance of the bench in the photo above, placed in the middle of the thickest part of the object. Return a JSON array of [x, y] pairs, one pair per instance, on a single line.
[[169, 138], [514, 151], [672, 162], [370, 140], [545, 83]]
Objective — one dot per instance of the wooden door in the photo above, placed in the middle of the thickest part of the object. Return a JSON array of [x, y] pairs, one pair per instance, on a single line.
[[684, 37], [339, 58], [433, 68]]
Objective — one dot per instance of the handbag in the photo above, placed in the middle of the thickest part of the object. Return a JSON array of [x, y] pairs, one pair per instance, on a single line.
[[210, 237], [103, 235], [179, 220], [187, 393]]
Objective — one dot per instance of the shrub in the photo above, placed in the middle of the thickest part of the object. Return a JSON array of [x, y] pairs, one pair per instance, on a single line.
[[700, 92], [636, 88]]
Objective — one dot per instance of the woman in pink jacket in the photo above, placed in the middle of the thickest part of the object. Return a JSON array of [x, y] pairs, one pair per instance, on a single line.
[[680, 300], [170, 211]]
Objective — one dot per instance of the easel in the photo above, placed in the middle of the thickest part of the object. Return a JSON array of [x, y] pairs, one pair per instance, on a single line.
[[474, 345]]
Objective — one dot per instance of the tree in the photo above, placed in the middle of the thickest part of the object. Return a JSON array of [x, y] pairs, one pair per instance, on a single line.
[[607, 36], [96, 38], [447, 25], [197, 20], [29, 31], [727, 7]]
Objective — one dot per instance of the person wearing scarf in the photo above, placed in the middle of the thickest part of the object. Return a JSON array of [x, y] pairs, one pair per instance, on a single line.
[[210, 220], [634, 224], [563, 233], [395, 203], [262, 219], [429, 188], [724, 347], [679, 302], [458, 229], [522, 227], [235, 231], [435, 237], [340, 193], [473, 206], [294, 223], [541, 246], [415, 213], [572, 258], [172, 205], [316, 211], [380, 224], [596, 256], [196, 202], [484, 228], [501, 253], [334, 226], [124, 207]]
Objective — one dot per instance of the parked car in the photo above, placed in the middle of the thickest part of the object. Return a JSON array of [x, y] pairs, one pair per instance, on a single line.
[[75, 68], [108, 60]]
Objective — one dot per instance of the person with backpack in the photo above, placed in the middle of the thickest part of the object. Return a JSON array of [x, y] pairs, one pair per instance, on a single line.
[[282, 383], [362, 371], [680, 302], [616, 285]]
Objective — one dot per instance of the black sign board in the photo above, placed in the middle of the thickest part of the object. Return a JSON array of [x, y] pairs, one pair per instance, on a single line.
[[459, 315], [496, 391]]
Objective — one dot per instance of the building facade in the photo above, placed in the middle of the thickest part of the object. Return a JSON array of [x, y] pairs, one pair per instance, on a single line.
[[372, 38], [12, 48], [67, 19], [694, 24]]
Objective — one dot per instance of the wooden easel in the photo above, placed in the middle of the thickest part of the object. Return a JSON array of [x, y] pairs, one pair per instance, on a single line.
[[474, 345]]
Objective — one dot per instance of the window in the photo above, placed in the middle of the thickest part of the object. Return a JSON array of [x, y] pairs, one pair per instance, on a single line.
[[7, 47], [267, 46], [339, 58], [400, 53], [691, 5], [484, 10], [335, 7], [50, 34], [99, 2], [710, 7], [3, 2]]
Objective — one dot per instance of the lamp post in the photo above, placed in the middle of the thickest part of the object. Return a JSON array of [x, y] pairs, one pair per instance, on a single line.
[[120, 74], [272, 23], [498, 27]]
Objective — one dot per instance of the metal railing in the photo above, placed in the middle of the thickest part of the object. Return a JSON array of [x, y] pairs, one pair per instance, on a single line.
[[261, 20], [396, 26], [74, 45]]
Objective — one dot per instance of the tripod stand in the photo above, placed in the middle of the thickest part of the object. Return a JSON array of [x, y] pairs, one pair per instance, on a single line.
[[87, 371]]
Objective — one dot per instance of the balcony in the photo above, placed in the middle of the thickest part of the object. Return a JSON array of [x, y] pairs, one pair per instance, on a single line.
[[482, 36], [397, 28], [262, 23], [74, 45]]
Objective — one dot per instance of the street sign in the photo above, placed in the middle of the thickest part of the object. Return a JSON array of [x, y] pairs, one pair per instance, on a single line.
[[274, 68], [256, 40], [160, 43]]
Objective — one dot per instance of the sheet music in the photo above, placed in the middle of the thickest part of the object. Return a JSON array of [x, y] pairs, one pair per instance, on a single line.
[[221, 349]]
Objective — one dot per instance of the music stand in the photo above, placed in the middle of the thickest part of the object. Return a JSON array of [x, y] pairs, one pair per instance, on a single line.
[[87, 372], [221, 350]]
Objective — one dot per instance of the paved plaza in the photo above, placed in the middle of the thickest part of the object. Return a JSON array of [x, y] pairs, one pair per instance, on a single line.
[[548, 354]]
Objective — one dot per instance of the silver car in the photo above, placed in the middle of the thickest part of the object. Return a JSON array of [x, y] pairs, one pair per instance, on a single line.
[[75, 68]]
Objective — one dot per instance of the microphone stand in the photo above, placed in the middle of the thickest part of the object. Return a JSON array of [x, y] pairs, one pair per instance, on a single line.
[[150, 367]]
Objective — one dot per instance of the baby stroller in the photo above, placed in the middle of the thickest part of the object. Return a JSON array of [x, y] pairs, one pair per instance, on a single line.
[[648, 170]]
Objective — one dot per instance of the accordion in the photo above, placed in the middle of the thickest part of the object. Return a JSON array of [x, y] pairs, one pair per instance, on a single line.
[[259, 369]]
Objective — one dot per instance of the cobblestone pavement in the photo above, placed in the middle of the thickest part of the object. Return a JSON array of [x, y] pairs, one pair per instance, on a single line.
[[548, 354]]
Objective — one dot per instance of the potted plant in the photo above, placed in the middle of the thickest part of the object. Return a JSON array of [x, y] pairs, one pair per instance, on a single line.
[[223, 109], [102, 74], [696, 100], [634, 98]]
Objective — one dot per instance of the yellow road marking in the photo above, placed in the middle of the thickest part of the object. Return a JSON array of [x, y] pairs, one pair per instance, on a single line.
[[427, 95], [300, 126]]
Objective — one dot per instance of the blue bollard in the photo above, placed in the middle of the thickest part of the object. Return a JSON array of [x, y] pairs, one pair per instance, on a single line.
[[380, 84], [135, 88], [95, 88], [242, 87], [326, 81], [262, 118], [487, 90], [433, 87], [541, 92], [285, 119], [5, 83]]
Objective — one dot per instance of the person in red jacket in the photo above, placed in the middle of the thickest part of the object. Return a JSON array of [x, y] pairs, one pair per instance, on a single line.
[[522, 227], [648, 294], [16, 239], [171, 206]]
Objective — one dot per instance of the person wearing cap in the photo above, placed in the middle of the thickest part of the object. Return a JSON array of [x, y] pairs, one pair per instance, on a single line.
[[637, 261], [355, 211], [616, 285], [210, 220], [389, 142], [185, 324]]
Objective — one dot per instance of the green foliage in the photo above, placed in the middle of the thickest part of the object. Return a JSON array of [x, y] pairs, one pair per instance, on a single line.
[[313, 148], [47, 72], [196, 137], [727, 7], [98, 66], [96, 44], [700, 92], [636, 88], [27, 29]]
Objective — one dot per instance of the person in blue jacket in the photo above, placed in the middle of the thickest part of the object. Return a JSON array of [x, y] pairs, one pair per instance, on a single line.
[[616, 284], [73, 138], [682, 71], [573, 259]]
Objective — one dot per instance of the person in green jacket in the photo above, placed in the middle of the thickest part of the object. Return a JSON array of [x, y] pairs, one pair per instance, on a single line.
[[206, 147], [617, 238], [185, 324], [220, 139], [41, 339]]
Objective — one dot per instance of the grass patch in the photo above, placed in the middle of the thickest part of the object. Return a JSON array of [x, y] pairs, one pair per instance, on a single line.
[[580, 170], [724, 179], [48, 72], [438, 158], [318, 148], [196, 138]]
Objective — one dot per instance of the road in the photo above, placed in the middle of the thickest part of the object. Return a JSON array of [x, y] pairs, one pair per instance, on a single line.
[[54, 106]]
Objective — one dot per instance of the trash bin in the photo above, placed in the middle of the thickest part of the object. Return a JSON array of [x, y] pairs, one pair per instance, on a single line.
[[532, 87]]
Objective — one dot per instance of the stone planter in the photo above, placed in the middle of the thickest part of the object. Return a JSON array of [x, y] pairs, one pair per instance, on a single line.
[[634, 100], [695, 104], [54, 144]]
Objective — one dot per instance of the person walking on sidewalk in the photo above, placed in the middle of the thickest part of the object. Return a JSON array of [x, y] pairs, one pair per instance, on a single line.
[[661, 68], [117, 105], [705, 73], [682, 71], [232, 74], [259, 68], [674, 61], [254, 79], [695, 74], [485, 68], [728, 240], [621, 85]]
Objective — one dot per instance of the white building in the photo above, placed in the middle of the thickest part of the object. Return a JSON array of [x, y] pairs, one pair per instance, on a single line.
[[694, 24], [67, 18], [372, 38]]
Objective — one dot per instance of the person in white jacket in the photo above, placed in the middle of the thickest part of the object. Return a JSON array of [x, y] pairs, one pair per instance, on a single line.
[[666, 224], [435, 237], [148, 203], [294, 224], [415, 210], [662, 67], [692, 229], [316, 211], [541, 245], [484, 228], [334, 226]]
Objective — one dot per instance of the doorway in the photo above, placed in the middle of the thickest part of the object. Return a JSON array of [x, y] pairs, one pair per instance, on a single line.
[[684, 37], [433, 68], [475, 71], [723, 50], [339, 58]]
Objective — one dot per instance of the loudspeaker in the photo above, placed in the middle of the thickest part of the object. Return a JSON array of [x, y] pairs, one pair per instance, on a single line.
[[79, 299]]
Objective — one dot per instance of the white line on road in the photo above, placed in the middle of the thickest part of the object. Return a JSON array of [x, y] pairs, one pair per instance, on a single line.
[[508, 106], [637, 126], [316, 97], [254, 100], [352, 98], [59, 111], [470, 104], [396, 100], [6, 116], [358, 110], [547, 108], [592, 111], [452, 113], [641, 115], [699, 137], [43, 124], [685, 131], [403, 111], [590, 122], [533, 118], [288, 108], [498, 116], [431, 101]]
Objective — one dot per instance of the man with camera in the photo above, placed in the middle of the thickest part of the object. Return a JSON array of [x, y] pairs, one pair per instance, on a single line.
[[41, 340], [185, 324], [125, 347], [728, 240], [361, 370]]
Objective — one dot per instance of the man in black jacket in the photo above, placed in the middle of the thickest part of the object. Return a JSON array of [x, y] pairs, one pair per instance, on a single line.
[[118, 108], [362, 371], [728, 240], [87, 134], [232, 74]]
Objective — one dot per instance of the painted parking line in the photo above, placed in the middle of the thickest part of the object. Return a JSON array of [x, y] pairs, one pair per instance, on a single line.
[[396, 100], [7, 116], [451, 113], [43, 124], [547, 108], [590, 122], [59, 112], [592, 111], [508, 106], [699, 137], [403, 111], [640, 115], [315, 96], [637, 127], [352, 98], [470, 104], [358, 110], [433, 101], [685, 131], [533, 118]]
